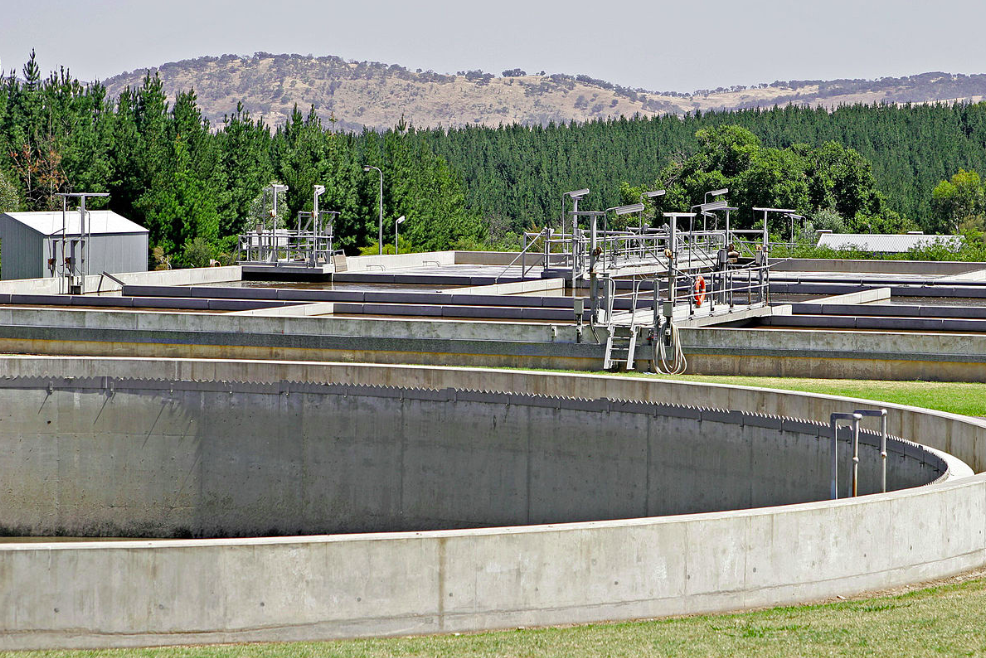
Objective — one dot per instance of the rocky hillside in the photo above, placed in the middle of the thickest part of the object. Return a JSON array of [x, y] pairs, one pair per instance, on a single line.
[[356, 94]]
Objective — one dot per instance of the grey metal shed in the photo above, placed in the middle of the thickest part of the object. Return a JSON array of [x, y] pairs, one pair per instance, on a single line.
[[27, 243]]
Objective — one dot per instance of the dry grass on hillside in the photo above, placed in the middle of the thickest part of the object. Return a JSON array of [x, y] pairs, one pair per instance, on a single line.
[[356, 94]]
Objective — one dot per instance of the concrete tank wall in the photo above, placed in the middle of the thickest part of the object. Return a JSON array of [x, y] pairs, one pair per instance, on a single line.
[[200, 591], [961, 436], [226, 590], [446, 342], [164, 459]]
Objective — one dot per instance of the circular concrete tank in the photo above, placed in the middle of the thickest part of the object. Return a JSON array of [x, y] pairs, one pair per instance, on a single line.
[[139, 458], [559, 509]]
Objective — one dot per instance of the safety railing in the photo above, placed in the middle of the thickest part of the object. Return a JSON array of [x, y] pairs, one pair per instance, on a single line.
[[286, 246], [854, 420], [531, 240]]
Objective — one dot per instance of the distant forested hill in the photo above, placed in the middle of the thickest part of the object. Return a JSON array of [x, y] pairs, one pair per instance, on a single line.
[[197, 183], [350, 95]]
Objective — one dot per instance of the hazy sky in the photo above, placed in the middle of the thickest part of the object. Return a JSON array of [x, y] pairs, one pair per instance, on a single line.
[[656, 45]]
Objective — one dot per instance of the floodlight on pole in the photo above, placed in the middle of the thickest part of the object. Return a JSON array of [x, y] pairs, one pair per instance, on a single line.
[[626, 210], [652, 194], [367, 168], [575, 196], [713, 205], [724, 190], [275, 188], [618, 210], [397, 222]]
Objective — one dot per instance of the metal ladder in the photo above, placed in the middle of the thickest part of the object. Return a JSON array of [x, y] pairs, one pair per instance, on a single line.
[[620, 346], [621, 343]]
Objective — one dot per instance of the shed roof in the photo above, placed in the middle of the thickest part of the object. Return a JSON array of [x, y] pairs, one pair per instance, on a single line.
[[891, 244], [100, 222]]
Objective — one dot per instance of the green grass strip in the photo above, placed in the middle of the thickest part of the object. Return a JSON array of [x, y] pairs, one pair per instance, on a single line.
[[953, 397]]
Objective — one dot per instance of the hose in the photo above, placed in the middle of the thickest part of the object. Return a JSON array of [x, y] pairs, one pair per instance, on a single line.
[[678, 364]]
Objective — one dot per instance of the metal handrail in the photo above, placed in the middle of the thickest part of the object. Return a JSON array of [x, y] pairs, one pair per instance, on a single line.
[[521, 255]]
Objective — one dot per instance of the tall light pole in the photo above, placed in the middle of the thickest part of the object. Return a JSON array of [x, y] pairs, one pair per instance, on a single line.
[[274, 240], [707, 206], [275, 188], [380, 204], [397, 223], [714, 193], [319, 191], [653, 194], [575, 196]]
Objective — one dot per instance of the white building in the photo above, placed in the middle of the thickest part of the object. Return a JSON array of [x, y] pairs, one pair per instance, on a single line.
[[31, 242]]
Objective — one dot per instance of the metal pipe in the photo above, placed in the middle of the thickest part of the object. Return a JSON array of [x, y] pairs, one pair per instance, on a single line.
[[834, 427], [575, 245], [593, 278], [855, 454], [563, 220], [883, 451], [882, 414], [84, 247], [523, 256]]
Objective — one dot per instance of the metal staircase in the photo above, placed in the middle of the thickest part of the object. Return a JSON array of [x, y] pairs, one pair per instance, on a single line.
[[621, 344]]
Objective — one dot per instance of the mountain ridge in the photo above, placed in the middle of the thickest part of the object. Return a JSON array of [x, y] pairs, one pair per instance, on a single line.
[[349, 94]]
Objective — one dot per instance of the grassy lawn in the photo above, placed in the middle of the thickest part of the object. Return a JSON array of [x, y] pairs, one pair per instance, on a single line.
[[953, 397], [957, 398], [947, 620]]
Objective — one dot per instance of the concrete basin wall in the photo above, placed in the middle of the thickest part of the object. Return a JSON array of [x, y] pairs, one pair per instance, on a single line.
[[455, 342], [213, 459], [961, 436], [97, 283], [197, 591], [216, 590], [844, 265]]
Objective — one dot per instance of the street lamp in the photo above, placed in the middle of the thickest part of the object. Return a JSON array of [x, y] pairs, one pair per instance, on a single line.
[[576, 196], [724, 190], [380, 204], [616, 210], [706, 207], [648, 195], [786, 212], [275, 188], [620, 210], [400, 220], [626, 210], [319, 191]]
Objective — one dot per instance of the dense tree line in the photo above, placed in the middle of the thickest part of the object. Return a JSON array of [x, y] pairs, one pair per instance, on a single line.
[[900, 152], [195, 186], [192, 184]]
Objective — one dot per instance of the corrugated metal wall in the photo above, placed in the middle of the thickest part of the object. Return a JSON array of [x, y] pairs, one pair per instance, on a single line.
[[118, 253], [24, 252], [21, 251]]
